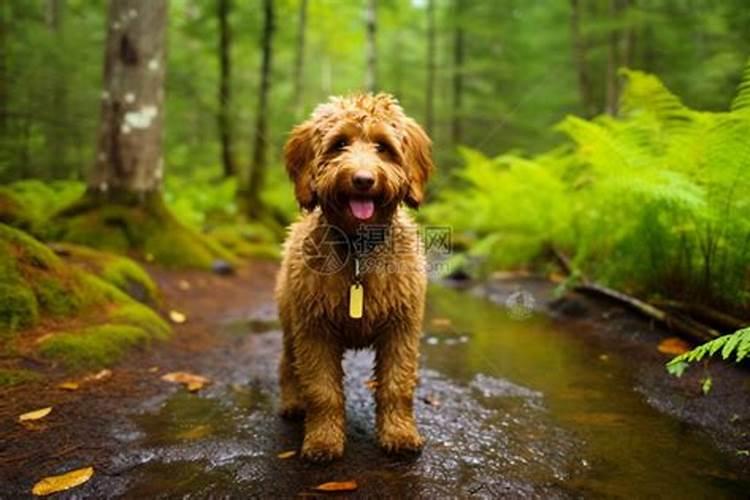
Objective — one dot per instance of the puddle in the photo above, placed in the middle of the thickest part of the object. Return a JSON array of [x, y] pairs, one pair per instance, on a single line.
[[511, 405]]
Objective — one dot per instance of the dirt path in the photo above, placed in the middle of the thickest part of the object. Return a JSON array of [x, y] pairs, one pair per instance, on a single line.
[[512, 405]]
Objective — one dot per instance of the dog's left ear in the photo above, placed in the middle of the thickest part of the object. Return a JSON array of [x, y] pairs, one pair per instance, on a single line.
[[298, 156], [418, 156]]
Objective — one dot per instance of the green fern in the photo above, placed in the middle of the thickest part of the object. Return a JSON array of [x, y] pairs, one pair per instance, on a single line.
[[736, 344], [741, 102]]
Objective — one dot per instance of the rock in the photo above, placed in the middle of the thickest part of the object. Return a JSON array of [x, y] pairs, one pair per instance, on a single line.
[[222, 267]]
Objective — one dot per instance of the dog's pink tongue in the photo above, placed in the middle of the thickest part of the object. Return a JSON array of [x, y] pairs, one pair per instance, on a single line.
[[362, 209]]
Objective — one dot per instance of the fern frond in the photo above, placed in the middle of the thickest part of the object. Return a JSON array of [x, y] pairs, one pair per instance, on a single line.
[[741, 102], [646, 93], [737, 344]]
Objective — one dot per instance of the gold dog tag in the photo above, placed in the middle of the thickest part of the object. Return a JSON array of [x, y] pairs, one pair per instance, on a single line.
[[356, 300]]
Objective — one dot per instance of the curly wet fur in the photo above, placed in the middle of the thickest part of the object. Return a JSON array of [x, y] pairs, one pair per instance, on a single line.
[[313, 306]]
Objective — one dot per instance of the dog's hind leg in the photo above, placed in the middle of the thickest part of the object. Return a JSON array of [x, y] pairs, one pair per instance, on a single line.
[[292, 404], [318, 364], [396, 372]]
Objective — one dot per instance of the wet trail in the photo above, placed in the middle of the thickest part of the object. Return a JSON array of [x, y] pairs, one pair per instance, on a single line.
[[512, 406]]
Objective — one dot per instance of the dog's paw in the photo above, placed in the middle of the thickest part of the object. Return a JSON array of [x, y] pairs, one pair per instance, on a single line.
[[322, 447], [401, 439], [292, 411]]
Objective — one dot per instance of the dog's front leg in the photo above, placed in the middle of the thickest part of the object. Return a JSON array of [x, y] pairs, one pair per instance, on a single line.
[[318, 363], [396, 372]]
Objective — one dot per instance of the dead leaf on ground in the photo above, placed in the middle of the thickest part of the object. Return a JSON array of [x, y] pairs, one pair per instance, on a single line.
[[441, 322], [68, 386], [673, 345], [556, 277], [63, 482], [191, 381], [183, 285], [153, 369], [371, 384], [286, 454], [100, 375], [337, 486], [35, 415], [177, 317], [197, 432]]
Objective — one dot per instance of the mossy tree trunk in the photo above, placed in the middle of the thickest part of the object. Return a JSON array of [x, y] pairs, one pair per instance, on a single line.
[[129, 154], [371, 20], [299, 58], [429, 114], [252, 183], [458, 74]]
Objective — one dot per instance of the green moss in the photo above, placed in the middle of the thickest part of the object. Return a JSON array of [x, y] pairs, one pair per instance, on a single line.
[[10, 377], [12, 211], [144, 226], [93, 347], [122, 272], [248, 240], [142, 317], [18, 309]]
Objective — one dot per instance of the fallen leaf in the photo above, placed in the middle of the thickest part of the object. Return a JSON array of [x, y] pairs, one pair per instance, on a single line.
[[100, 375], [44, 337], [183, 285], [177, 317], [197, 432], [63, 482], [674, 346], [371, 384], [153, 369], [35, 415], [68, 386], [149, 257], [337, 486], [556, 277], [441, 322], [191, 381], [286, 454]]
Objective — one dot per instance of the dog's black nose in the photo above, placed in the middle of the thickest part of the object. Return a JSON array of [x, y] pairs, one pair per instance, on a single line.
[[363, 180]]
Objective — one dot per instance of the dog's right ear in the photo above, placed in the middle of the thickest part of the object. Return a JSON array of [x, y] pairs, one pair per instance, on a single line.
[[298, 156]]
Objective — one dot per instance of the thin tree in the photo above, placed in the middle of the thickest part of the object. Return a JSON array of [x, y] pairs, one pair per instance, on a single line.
[[299, 60], [458, 73], [429, 114], [3, 79], [614, 57], [250, 193], [371, 22], [129, 165], [56, 129], [226, 136], [580, 60]]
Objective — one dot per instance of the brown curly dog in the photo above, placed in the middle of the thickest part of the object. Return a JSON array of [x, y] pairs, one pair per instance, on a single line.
[[353, 272]]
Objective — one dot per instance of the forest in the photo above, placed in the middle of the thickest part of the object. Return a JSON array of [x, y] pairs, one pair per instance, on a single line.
[[591, 156]]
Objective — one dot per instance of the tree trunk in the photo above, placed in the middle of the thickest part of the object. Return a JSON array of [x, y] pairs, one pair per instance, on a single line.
[[580, 60], [225, 88], [371, 75], [129, 157], [429, 114], [299, 61], [251, 191], [56, 127], [4, 148], [458, 75], [614, 58]]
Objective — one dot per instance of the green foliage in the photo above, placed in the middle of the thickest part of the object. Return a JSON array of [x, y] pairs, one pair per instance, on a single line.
[[654, 202], [730, 347], [9, 377]]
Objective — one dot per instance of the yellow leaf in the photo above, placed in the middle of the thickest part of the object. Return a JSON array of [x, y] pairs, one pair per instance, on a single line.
[[54, 484], [177, 317], [197, 432], [153, 369], [35, 415], [674, 346], [68, 386], [286, 454], [441, 322], [191, 381], [100, 375], [337, 486], [183, 285]]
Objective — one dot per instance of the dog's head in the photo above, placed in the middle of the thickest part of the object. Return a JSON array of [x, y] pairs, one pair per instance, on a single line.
[[359, 157]]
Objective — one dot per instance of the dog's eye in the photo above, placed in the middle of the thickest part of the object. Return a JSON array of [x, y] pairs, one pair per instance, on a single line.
[[340, 144], [381, 147]]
